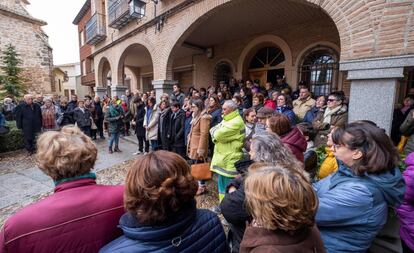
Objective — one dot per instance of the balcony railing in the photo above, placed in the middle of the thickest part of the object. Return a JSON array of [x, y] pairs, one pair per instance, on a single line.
[[121, 12], [88, 79], [95, 29]]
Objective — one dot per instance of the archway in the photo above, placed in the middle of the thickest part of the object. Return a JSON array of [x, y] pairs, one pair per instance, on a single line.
[[135, 68], [279, 26]]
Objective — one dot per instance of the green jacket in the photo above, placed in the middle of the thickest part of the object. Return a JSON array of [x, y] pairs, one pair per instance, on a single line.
[[114, 117], [228, 137]]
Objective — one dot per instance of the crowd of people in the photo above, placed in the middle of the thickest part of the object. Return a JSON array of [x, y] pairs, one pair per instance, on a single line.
[[260, 142]]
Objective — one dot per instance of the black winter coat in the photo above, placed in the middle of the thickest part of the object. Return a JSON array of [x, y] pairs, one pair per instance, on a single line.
[[67, 117], [29, 119], [164, 138], [177, 129], [98, 111], [233, 208], [139, 121], [82, 119]]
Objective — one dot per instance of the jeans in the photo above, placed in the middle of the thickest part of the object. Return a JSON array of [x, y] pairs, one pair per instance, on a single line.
[[154, 145], [114, 138]]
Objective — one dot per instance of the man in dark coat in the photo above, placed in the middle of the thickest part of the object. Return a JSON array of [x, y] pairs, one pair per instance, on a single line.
[[177, 129], [139, 126], [29, 120]]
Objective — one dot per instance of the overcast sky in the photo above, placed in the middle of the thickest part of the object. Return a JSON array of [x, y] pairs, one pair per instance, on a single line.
[[63, 35]]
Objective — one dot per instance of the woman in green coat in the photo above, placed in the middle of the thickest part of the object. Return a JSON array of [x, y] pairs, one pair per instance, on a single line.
[[114, 116]]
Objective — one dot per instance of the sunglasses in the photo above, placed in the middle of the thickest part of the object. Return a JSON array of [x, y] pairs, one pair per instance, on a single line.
[[331, 100]]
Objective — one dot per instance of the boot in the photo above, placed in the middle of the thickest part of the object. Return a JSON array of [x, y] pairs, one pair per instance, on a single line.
[[110, 150], [116, 149]]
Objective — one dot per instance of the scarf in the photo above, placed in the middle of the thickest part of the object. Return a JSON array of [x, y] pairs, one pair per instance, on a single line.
[[48, 117], [113, 111], [87, 175], [328, 114]]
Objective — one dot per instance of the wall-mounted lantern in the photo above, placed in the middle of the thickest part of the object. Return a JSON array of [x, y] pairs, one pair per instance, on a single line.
[[137, 8]]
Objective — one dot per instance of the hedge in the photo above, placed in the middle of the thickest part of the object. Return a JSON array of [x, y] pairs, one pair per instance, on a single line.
[[12, 140]]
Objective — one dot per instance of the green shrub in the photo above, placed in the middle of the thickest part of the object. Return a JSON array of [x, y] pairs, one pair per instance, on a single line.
[[12, 140]]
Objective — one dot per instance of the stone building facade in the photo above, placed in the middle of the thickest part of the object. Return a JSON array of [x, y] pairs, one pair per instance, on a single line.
[[365, 48], [25, 32]]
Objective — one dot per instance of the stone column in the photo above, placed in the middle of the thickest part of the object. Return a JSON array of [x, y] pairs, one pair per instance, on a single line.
[[373, 87], [100, 91], [118, 90], [163, 86]]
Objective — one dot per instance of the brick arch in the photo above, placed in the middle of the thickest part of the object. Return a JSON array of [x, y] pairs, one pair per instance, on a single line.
[[256, 43], [102, 71], [204, 9], [301, 56], [121, 59]]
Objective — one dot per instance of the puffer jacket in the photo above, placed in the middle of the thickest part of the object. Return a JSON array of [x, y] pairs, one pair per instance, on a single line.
[[296, 142], [287, 110], [82, 119], [406, 210], [190, 230], [228, 137], [353, 209], [407, 129]]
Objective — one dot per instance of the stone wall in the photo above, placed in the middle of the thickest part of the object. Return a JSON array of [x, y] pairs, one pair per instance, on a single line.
[[24, 32]]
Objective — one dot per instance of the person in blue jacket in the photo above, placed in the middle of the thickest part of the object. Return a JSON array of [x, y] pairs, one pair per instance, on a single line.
[[161, 210], [354, 201], [284, 106]]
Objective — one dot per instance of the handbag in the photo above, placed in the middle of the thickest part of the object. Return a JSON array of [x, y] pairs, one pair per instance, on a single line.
[[201, 171], [93, 125]]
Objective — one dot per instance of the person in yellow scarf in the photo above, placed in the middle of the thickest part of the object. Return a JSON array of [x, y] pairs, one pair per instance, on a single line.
[[329, 165]]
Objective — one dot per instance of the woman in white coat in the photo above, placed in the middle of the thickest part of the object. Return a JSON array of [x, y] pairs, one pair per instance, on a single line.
[[151, 123]]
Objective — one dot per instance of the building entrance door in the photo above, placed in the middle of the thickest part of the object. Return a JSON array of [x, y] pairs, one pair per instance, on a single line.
[[266, 65]]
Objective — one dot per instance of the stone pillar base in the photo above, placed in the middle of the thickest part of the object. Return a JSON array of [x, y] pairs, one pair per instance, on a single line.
[[100, 91], [373, 87], [163, 86], [118, 90]]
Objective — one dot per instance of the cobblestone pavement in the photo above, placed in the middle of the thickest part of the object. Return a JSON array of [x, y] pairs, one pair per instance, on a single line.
[[22, 183]]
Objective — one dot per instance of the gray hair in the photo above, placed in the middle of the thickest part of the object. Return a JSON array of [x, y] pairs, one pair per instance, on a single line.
[[230, 104], [269, 148]]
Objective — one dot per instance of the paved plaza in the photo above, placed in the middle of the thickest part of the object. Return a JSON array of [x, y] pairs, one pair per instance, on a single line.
[[22, 182]]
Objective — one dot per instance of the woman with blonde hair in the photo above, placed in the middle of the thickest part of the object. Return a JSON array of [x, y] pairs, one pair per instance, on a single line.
[[80, 216], [161, 210], [283, 205]]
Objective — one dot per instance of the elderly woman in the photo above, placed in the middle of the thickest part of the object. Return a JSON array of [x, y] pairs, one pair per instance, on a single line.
[[334, 115], [8, 108], [355, 199], [80, 216], [83, 117], [50, 115], [265, 148], [162, 214], [283, 206]]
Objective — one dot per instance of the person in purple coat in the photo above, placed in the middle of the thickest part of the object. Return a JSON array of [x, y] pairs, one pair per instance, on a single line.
[[406, 210]]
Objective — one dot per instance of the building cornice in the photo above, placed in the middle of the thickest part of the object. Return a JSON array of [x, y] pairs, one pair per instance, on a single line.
[[86, 6], [10, 13]]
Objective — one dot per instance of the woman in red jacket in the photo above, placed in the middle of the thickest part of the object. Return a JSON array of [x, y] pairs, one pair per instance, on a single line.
[[291, 137], [80, 216]]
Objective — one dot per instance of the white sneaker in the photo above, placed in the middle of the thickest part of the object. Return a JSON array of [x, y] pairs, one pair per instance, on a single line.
[[137, 153]]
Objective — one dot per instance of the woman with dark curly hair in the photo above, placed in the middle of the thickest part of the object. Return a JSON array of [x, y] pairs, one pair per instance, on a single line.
[[161, 210], [283, 205]]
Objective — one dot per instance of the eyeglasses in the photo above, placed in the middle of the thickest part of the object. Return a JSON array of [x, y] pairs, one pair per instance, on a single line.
[[336, 146], [280, 99], [331, 100]]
